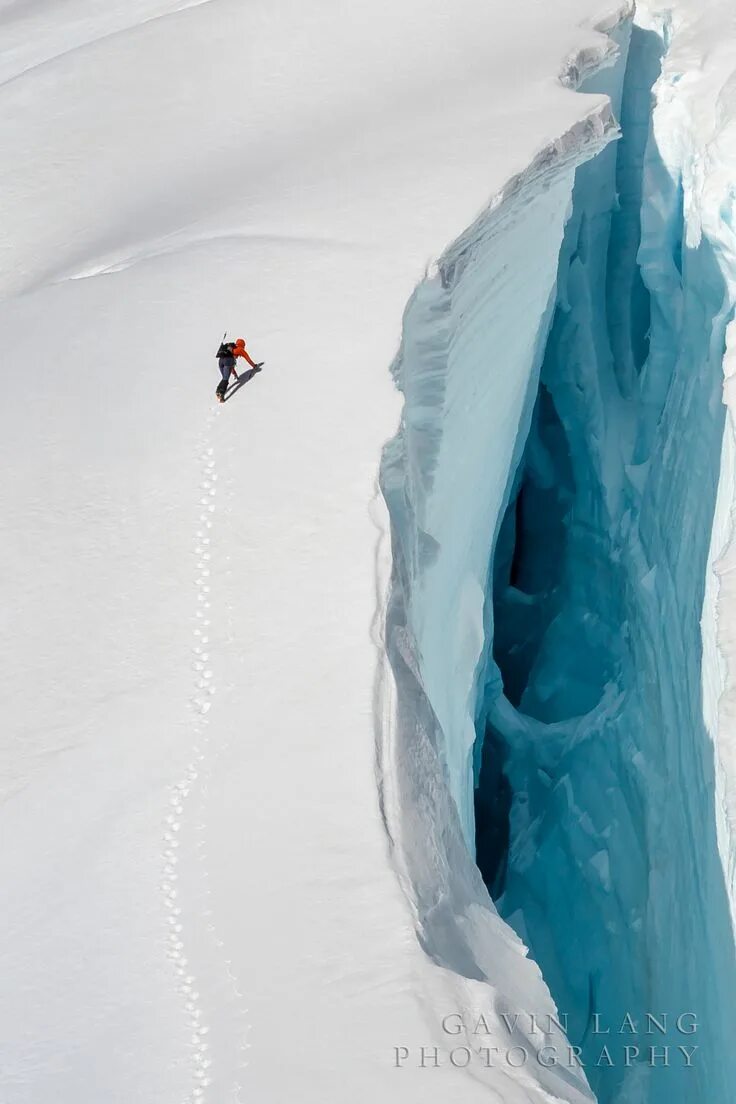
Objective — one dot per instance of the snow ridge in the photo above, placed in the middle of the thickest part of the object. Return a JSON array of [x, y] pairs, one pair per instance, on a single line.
[[37, 57]]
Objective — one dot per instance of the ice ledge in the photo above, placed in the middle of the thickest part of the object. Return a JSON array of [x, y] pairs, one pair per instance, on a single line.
[[602, 53], [581, 142]]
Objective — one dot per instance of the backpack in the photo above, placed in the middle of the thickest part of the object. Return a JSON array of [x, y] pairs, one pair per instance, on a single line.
[[226, 350]]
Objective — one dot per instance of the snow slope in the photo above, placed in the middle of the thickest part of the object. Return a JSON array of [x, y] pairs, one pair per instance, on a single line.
[[201, 900]]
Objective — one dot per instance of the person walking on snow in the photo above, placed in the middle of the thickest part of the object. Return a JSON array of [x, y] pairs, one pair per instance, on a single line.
[[227, 354]]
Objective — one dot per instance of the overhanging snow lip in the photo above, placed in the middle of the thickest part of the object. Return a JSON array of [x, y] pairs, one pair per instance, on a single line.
[[581, 142], [602, 52]]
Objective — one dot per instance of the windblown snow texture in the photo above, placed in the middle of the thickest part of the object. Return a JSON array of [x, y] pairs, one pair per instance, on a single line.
[[552, 493]]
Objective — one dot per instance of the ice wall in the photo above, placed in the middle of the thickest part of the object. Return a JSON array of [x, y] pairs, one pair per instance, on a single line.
[[593, 699], [552, 493], [473, 340]]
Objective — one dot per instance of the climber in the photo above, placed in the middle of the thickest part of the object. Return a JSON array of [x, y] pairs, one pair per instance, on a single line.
[[227, 354]]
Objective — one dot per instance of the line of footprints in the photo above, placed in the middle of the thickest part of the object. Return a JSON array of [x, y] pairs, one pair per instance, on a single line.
[[199, 705]]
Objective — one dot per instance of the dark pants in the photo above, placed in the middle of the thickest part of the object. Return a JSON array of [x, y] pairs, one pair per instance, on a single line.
[[226, 367]]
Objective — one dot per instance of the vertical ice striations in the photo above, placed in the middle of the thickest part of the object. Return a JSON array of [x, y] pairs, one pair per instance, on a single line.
[[608, 864], [557, 495]]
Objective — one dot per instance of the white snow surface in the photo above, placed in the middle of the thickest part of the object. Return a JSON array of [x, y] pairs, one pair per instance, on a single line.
[[200, 899]]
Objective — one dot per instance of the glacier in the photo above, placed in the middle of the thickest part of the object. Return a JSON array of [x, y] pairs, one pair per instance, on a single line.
[[559, 494], [201, 902]]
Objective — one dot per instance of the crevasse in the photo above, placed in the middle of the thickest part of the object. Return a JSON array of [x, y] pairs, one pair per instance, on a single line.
[[551, 494]]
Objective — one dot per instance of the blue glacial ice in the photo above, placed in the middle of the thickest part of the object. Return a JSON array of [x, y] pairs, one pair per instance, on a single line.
[[551, 492]]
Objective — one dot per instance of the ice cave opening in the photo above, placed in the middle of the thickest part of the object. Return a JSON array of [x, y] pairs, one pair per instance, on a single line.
[[595, 828]]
